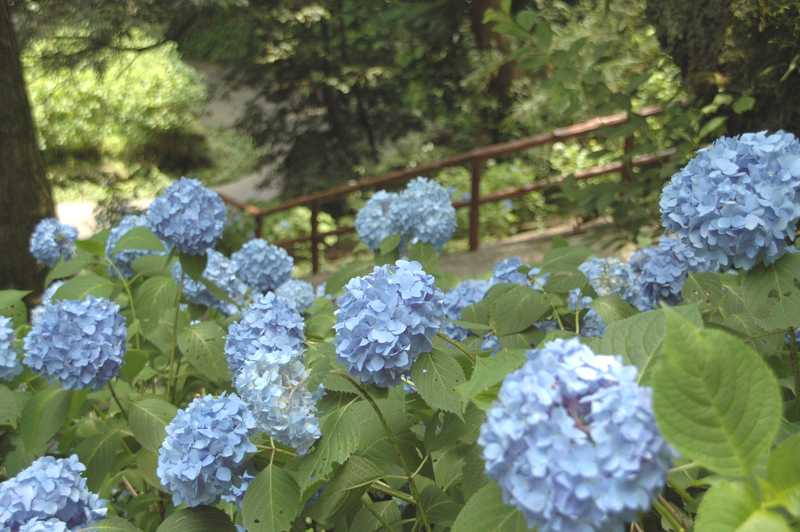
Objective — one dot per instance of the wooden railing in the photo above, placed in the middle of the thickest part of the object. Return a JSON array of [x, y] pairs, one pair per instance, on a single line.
[[475, 159]]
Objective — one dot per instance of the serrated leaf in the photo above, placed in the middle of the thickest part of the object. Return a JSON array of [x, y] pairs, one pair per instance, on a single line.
[[96, 244], [68, 268], [486, 512], [203, 346], [153, 298], [147, 463], [151, 265], [148, 420], [272, 501], [84, 285], [135, 360], [612, 308], [356, 474], [97, 453], [193, 266], [733, 507], [783, 475], [384, 516], [437, 376], [517, 309], [11, 406], [773, 293], [43, 416], [198, 519], [138, 238], [490, 371], [562, 265], [715, 399], [111, 524]]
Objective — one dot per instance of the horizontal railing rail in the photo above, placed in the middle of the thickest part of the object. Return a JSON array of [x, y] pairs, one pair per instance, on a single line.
[[475, 159]]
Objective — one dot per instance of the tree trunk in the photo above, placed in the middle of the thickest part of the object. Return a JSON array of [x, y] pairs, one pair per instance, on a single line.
[[25, 194]]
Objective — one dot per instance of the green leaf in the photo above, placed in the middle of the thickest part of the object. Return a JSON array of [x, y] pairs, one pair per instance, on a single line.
[[199, 519], [384, 516], [153, 298], [11, 406], [193, 265], [43, 416], [714, 398], [203, 346], [773, 293], [389, 244], [356, 474], [490, 371], [712, 126], [783, 475], [612, 308], [639, 338], [148, 420], [97, 453], [147, 463], [320, 326], [517, 309], [337, 281], [733, 507], [426, 255], [743, 104], [562, 265], [135, 361], [84, 285], [485, 512], [111, 524], [151, 265], [138, 238], [272, 501], [10, 298], [68, 268], [436, 376], [96, 245]]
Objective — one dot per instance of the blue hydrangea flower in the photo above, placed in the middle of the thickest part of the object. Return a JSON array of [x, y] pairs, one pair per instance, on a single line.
[[188, 216], [203, 454], [299, 293], [49, 488], [737, 202], [320, 291], [123, 260], [10, 365], [660, 271], [572, 441], [262, 266], [423, 212], [47, 297], [456, 300], [78, 343], [512, 270], [269, 324], [44, 525], [608, 276], [220, 271], [386, 320], [52, 241], [274, 387], [591, 324], [373, 223], [491, 343]]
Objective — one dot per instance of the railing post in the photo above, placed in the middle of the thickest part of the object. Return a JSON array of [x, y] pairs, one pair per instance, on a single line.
[[627, 159], [475, 204], [314, 237]]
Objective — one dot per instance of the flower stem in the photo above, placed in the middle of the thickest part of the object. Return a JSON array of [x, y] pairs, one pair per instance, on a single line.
[[116, 400], [174, 363], [665, 510]]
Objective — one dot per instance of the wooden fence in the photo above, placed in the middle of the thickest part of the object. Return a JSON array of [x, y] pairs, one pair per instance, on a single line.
[[474, 159]]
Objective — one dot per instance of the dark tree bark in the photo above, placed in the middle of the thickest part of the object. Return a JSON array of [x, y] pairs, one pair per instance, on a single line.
[[25, 194]]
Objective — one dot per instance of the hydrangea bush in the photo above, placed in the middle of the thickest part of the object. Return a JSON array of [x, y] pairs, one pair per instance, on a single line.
[[576, 394]]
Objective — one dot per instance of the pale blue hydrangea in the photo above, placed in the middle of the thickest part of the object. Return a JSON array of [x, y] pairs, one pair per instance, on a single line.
[[321, 291], [262, 266], [572, 441], [490, 343], [50, 488], [269, 324], [466, 293], [591, 324], [203, 455], [10, 365], [44, 525], [219, 271], [608, 276], [123, 260], [47, 297], [512, 270], [373, 223], [274, 387], [737, 202], [188, 216], [423, 212], [659, 272], [52, 241], [385, 320], [80, 344], [299, 293]]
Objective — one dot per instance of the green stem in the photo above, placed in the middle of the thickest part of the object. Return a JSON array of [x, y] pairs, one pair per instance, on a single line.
[[664, 509], [793, 360], [388, 490], [458, 346], [174, 363], [116, 400], [127, 289], [393, 438]]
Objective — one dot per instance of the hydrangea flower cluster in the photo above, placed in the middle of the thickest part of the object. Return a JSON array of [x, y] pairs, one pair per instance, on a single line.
[[274, 386], [123, 260], [78, 343], [10, 365], [49, 491], [660, 271], [299, 293], [423, 212], [372, 221], [608, 276], [572, 441], [269, 324], [52, 241], [188, 216], [385, 320], [512, 270], [220, 271], [47, 297], [262, 266], [456, 300], [203, 454], [737, 203], [44, 525], [591, 324]]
